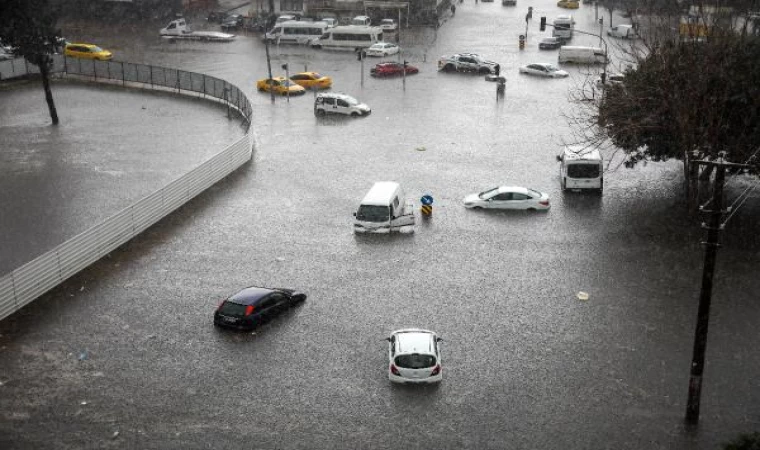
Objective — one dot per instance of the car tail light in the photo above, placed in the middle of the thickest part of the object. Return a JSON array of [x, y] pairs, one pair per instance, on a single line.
[[248, 310], [544, 202], [394, 370], [221, 304], [436, 370]]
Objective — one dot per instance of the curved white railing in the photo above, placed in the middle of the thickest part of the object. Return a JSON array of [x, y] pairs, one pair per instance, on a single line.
[[28, 282]]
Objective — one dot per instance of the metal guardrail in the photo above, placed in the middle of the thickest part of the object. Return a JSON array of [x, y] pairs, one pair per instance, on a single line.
[[23, 285]]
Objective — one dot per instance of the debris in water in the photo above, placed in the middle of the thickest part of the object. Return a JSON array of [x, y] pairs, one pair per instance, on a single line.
[[582, 295]]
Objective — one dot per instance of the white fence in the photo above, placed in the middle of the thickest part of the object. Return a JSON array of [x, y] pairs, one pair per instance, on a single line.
[[23, 285]]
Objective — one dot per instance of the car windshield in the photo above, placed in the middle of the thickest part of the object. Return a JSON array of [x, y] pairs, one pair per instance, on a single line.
[[287, 83], [487, 194], [96, 49], [534, 193], [351, 101], [583, 171], [387, 21], [316, 76], [373, 213], [550, 68], [415, 361], [232, 309]]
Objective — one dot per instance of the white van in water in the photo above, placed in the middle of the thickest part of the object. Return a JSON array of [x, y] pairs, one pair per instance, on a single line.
[[581, 55], [348, 37], [563, 27], [581, 168], [296, 32], [384, 209]]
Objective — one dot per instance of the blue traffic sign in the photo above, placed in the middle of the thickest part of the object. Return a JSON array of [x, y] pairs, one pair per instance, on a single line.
[[426, 200]]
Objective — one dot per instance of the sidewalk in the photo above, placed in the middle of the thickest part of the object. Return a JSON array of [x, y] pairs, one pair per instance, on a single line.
[[112, 147]]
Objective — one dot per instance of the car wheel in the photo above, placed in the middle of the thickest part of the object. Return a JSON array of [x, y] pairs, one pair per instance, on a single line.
[[531, 209], [354, 114], [448, 68], [484, 70], [321, 112], [260, 89]]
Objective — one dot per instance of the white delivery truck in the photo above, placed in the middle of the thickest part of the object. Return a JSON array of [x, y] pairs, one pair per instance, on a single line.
[[581, 168], [563, 27], [384, 209], [581, 55]]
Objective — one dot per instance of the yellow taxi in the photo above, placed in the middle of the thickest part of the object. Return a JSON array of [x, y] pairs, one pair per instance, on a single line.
[[87, 51], [569, 4], [312, 80], [280, 86]]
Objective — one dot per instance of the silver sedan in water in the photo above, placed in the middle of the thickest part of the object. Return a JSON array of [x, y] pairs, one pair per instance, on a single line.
[[508, 197]]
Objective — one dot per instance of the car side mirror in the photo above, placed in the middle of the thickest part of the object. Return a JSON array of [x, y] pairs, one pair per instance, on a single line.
[[559, 158], [354, 214], [387, 339], [438, 339]]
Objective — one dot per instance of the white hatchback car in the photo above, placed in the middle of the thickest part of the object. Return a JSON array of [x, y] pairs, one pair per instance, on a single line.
[[414, 356], [382, 49], [388, 25], [333, 102], [508, 197]]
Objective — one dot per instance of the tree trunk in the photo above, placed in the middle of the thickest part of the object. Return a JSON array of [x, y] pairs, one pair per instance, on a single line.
[[692, 192], [45, 73]]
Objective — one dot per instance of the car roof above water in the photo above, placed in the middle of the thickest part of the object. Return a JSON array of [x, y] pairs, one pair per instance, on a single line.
[[381, 193], [581, 153], [250, 295], [414, 340]]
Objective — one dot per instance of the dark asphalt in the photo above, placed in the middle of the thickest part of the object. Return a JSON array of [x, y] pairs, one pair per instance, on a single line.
[[527, 364]]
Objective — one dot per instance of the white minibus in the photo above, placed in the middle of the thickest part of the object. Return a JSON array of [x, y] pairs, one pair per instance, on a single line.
[[581, 168], [581, 55], [296, 32], [563, 27], [348, 37]]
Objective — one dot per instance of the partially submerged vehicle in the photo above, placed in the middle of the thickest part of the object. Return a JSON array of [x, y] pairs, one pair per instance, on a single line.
[[178, 29]]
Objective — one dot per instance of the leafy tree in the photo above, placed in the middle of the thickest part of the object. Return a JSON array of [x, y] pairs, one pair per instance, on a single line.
[[744, 442], [29, 27], [682, 97]]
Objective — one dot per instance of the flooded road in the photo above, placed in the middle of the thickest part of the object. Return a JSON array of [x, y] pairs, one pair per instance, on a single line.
[[526, 363]]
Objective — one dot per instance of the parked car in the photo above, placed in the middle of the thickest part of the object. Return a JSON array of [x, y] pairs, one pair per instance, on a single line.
[[414, 356], [382, 49], [336, 103], [467, 62], [550, 43], [508, 197], [232, 22], [388, 25], [610, 79], [312, 80], [87, 51], [622, 32], [569, 4], [543, 70], [216, 16], [390, 69], [280, 86], [508, 2], [254, 305]]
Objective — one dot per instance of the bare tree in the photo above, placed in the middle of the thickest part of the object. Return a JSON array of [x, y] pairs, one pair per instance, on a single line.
[[29, 27]]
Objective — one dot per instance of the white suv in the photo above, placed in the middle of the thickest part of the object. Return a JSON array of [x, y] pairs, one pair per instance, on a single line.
[[414, 356], [330, 102]]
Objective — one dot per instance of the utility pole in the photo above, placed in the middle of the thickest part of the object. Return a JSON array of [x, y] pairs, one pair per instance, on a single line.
[[269, 68], [705, 296]]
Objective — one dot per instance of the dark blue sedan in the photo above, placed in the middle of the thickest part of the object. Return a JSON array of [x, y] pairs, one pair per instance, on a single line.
[[255, 305]]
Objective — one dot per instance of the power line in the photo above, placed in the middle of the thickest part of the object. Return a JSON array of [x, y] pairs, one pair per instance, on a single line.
[[731, 208]]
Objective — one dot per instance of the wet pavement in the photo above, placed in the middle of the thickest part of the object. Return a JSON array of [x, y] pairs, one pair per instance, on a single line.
[[59, 181], [526, 363]]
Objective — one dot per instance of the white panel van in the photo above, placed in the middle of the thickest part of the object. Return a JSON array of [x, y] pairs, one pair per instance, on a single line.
[[581, 168], [384, 209], [296, 32], [581, 55]]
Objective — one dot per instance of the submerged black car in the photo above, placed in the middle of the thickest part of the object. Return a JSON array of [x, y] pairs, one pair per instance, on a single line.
[[254, 305], [550, 43], [232, 22]]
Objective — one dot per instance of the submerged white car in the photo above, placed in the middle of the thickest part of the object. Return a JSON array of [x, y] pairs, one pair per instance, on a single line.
[[414, 356], [382, 49], [543, 70], [508, 197], [388, 25]]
